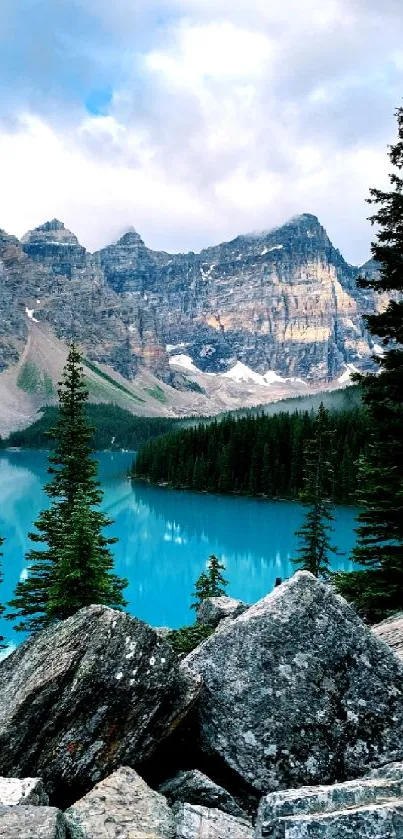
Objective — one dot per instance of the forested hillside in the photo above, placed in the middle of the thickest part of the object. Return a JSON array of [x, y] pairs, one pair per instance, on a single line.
[[115, 428], [254, 455]]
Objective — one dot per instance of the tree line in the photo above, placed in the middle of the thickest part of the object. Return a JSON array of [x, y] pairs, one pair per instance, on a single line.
[[114, 428], [255, 455]]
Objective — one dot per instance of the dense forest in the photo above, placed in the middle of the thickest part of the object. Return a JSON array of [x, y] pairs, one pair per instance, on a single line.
[[255, 455], [115, 428]]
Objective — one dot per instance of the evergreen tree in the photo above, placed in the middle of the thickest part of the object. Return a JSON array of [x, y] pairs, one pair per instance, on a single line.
[[377, 590], [3, 644], [82, 574], [47, 594], [314, 533], [211, 582]]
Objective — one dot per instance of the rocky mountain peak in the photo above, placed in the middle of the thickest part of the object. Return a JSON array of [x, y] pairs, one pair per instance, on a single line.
[[55, 224], [53, 232], [131, 239], [56, 247]]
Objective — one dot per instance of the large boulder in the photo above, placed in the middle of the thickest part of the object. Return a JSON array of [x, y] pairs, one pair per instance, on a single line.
[[370, 807], [193, 787], [86, 696], [212, 610], [391, 631], [28, 822], [121, 806], [196, 822], [297, 691], [15, 791]]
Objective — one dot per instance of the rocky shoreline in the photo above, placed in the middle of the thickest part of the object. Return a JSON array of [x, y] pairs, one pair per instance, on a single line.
[[287, 722]]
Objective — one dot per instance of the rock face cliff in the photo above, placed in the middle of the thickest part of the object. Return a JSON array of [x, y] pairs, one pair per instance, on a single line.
[[283, 300], [283, 303]]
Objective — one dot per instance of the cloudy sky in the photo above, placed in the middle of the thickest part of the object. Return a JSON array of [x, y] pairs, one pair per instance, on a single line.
[[195, 120]]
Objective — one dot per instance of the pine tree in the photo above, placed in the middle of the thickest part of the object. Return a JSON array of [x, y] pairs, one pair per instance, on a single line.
[[211, 582], [47, 594], [82, 574], [378, 589], [3, 644], [314, 533]]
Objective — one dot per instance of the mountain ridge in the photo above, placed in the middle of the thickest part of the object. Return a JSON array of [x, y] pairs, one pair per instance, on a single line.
[[282, 303]]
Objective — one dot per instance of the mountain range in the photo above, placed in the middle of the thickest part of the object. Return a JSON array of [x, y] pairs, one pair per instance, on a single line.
[[245, 322]]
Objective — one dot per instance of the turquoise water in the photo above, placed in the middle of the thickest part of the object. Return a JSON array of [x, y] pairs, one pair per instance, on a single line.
[[164, 536]]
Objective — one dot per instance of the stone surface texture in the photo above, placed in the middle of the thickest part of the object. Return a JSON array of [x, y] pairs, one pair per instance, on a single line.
[[391, 631], [196, 822], [84, 697], [215, 609], [15, 791], [27, 822], [298, 691], [121, 807], [193, 787], [367, 807], [381, 821]]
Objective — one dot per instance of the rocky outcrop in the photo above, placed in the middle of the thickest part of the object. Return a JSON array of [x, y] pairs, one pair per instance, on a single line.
[[368, 807], [193, 787], [32, 823], [297, 690], [86, 696], [391, 631], [56, 248], [15, 791], [212, 610], [193, 821], [120, 807]]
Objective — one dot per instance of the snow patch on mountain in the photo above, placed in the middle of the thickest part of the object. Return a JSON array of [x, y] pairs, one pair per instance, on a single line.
[[274, 248], [172, 347], [241, 373], [346, 376], [30, 314], [184, 361]]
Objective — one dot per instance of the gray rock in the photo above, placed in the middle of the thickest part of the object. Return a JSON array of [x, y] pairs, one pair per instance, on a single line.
[[15, 791], [192, 787], [381, 821], [325, 799], [367, 807], [297, 691], [121, 807], [32, 823], [195, 822], [162, 631], [392, 771], [215, 609], [391, 631], [86, 696]]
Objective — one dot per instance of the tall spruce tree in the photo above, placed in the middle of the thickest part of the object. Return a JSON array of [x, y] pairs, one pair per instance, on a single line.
[[377, 590], [211, 582], [314, 535], [3, 644], [59, 583]]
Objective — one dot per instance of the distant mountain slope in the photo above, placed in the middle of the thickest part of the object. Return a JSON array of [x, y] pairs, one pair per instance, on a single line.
[[244, 322]]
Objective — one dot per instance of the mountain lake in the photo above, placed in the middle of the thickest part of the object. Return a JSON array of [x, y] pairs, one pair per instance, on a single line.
[[165, 537]]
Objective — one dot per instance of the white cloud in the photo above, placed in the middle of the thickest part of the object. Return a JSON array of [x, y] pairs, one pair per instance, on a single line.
[[215, 51], [224, 117]]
